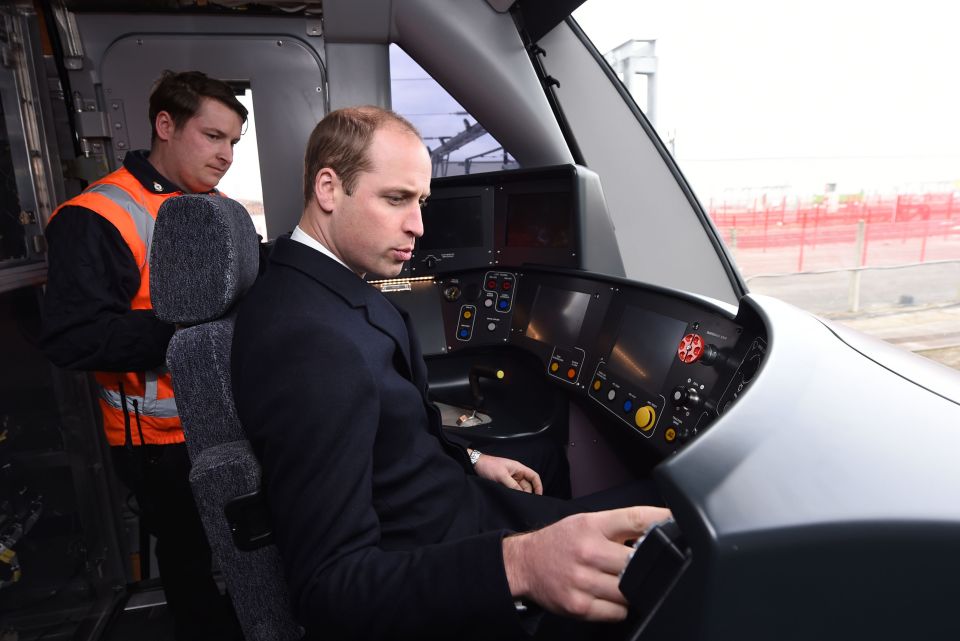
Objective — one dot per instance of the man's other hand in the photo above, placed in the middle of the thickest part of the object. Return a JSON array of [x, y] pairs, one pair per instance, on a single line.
[[510, 473], [573, 566]]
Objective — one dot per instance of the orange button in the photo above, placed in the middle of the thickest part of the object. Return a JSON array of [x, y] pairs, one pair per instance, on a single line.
[[571, 373], [554, 366], [467, 314], [597, 384]]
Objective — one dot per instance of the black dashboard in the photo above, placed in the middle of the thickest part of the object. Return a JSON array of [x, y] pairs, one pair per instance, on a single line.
[[500, 265], [661, 364]]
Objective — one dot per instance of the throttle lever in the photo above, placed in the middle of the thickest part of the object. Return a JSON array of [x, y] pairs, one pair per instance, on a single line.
[[656, 563]]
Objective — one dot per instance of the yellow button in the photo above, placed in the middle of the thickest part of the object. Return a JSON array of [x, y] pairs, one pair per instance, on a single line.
[[500, 374], [467, 314], [645, 418], [597, 384], [554, 366], [670, 435]]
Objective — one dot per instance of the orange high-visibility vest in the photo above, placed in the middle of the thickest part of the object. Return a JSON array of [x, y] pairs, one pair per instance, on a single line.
[[138, 403]]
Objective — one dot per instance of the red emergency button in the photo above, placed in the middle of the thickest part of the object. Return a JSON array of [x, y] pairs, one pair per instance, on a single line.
[[691, 348]]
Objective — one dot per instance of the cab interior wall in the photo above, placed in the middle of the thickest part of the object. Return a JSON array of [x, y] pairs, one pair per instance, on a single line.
[[359, 74], [282, 64]]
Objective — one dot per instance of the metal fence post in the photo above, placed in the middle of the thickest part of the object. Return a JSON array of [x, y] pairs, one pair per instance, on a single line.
[[854, 297]]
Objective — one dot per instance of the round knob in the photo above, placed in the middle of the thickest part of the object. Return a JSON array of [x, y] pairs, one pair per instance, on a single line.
[[645, 417], [451, 293], [685, 396], [691, 348]]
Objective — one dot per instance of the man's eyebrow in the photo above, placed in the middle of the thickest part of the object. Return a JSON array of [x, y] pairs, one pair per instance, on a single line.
[[217, 131], [403, 191]]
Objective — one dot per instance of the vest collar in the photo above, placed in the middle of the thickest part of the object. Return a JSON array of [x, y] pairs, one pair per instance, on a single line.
[[152, 180]]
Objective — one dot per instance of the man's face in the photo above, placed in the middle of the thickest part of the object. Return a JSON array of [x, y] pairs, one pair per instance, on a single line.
[[373, 230], [201, 151]]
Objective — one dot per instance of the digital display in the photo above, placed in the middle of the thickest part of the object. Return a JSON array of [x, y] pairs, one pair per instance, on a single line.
[[421, 300], [452, 223], [645, 349], [557, 315], [540, 220]]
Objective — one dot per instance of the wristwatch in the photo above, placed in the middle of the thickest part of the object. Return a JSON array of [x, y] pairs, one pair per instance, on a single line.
[[474, 456]]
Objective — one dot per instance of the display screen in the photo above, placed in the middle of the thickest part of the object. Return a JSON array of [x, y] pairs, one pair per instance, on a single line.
[[422, 302], [645, 349], [540, 220], [452, 223], [557, 316]]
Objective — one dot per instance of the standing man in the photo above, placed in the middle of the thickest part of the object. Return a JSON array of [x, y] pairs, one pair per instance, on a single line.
[[387, 530], [98, 316]]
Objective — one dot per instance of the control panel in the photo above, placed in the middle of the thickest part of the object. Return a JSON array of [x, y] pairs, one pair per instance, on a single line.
[[477, 308], [661, 364], [662, 374]]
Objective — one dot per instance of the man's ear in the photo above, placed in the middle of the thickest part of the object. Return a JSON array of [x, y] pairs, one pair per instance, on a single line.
[[164, 125], [325, 186]]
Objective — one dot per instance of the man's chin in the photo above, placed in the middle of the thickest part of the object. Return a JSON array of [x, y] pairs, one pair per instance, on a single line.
[[392, 271]]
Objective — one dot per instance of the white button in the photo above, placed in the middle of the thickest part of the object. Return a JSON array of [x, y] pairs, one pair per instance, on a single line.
[[612, 394], [491, 326], [488, 302]]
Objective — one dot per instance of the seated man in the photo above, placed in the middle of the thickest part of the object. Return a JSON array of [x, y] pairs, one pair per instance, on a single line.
[[385, 528]]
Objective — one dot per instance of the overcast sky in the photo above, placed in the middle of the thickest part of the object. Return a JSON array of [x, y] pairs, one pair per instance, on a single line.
[[868, 89]]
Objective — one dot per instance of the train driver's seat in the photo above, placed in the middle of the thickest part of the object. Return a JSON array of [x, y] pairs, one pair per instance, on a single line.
[[204, 256]]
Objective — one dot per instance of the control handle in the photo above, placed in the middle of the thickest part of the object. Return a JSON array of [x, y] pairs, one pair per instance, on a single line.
[[476, 372], [693, 348], [655, 565]]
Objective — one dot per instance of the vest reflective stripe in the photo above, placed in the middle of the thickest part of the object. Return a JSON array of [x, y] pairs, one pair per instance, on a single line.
[[148, 405], [131, 208], [143, 222]]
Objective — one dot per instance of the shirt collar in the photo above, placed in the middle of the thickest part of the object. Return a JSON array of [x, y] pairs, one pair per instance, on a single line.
[[303, 237]]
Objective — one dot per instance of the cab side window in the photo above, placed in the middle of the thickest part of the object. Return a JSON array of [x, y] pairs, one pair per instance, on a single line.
[[458, 144]]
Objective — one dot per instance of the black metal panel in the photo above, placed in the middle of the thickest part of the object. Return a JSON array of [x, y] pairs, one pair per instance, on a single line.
[[540, 16]]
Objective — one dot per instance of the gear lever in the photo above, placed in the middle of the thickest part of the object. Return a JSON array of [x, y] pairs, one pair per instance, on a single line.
[[476, 372]]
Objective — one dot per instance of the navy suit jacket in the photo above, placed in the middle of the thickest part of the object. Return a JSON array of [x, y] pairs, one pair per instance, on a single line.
[[384, 529]]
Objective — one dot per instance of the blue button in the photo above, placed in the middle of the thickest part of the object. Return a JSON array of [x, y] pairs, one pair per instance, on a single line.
[[503, 304], [627, 405], [464, 333]]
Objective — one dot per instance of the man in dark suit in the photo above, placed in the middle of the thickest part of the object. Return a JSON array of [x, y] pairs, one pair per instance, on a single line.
[[385, 527]]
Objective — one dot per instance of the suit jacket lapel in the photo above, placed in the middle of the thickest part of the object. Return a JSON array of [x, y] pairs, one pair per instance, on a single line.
[[357, 293]]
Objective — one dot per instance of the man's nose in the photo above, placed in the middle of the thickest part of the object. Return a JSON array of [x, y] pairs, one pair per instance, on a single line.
[[226, 153], [414, 221]]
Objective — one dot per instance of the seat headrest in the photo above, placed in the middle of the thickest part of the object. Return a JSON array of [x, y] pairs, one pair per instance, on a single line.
[[204, 255]]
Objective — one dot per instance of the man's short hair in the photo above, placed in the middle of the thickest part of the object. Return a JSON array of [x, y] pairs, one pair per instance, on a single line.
[[181, 93], [341, 142]]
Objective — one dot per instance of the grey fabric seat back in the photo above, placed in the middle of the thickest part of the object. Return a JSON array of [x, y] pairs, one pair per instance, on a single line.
[[204, 256]]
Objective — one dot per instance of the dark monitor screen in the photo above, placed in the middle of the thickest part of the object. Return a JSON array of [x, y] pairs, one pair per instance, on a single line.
[[646, 346], [557, 316], [422, 302], [540, 220], [452, 223]]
